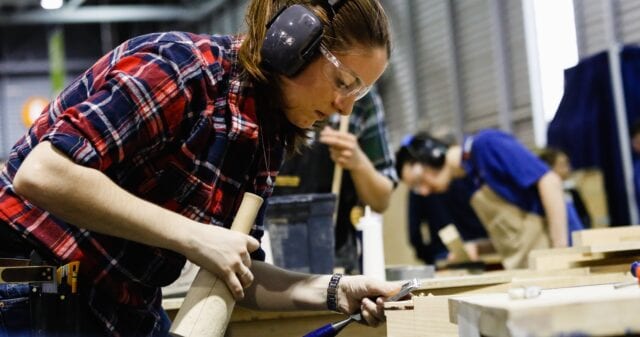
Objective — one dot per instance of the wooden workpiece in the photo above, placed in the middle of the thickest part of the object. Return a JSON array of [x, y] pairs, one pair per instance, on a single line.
[[610, 247], [428, 312], [598, 310]]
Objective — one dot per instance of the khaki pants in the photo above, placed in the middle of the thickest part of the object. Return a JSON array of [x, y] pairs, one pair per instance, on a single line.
[[512, 231]]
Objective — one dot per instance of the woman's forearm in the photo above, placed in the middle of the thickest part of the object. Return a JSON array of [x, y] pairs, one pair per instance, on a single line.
[[279, 289], [89, 199]]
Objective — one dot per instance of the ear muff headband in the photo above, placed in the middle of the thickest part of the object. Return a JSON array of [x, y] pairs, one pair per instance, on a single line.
[[427, 150]]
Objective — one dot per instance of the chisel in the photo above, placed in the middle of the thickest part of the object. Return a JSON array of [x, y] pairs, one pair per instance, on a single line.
[[332, 329]]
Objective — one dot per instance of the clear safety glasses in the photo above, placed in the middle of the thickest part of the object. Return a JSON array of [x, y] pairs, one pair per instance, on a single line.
[[343, 79]]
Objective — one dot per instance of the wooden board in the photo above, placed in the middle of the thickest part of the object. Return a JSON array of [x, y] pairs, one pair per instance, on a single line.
[[590, 237], [594, 255], [463, 281], [431, 311], [590, 310]]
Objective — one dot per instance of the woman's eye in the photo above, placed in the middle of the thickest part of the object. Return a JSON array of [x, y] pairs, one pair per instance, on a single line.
[[340, 84]]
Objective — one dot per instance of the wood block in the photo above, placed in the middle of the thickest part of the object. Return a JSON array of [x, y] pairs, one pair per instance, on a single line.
[[431, 316], [562, 311], [452, 239], [400, 319], [590, 237]]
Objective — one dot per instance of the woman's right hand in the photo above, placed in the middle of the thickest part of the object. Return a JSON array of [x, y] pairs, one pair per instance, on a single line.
[[223, 252]]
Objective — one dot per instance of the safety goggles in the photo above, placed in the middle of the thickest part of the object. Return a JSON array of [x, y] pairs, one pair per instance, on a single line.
[[343, 79]]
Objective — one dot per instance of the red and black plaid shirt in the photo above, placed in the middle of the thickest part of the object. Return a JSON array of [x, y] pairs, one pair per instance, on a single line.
[[169, 118]]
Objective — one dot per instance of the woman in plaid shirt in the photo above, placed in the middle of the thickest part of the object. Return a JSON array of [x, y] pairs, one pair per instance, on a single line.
[[141, 163]]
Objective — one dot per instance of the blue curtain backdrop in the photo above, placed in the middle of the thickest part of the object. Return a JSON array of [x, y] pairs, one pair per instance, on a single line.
[[585, 123]]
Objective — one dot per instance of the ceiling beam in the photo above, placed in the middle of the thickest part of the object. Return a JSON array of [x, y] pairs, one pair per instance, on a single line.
[[112, 13]]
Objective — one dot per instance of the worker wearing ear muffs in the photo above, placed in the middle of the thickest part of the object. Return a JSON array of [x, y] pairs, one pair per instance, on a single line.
[[518, 198]]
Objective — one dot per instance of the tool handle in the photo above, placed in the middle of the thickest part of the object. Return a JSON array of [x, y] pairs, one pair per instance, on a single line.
[[207, 308], [336, 182], [326, 330], [634, 268]]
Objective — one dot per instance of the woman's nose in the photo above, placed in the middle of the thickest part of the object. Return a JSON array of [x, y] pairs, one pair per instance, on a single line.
[[343, 104]]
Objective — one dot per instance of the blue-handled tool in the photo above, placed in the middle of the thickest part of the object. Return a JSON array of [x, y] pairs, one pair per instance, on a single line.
[[332, 329]]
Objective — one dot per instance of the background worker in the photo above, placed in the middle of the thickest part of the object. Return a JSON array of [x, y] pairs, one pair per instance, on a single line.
[[517, 198], [142, 162], [428, 214], [369, 176], [559, 163]]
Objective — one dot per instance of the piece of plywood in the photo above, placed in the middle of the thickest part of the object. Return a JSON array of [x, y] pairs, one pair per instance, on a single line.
[[588, 237], [590, 310]]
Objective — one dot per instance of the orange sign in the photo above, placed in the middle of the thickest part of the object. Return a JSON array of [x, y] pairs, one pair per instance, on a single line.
[[32, 108]]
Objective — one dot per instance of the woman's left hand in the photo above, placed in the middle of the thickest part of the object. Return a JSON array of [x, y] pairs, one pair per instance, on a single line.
[[367, 295]]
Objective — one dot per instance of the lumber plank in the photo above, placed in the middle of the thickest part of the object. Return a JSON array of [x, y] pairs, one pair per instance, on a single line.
[[588, 237], [561, 311]]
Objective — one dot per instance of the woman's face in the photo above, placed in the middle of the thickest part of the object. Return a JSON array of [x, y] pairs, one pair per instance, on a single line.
[[313, 94]]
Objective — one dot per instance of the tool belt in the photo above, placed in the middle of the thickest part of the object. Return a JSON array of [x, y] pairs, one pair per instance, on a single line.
[[56, 308]]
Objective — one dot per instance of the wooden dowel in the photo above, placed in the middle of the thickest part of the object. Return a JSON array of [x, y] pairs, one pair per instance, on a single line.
[[207, 308]]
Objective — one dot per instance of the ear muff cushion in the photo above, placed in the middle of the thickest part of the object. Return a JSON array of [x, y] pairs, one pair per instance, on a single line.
[[292, 40]]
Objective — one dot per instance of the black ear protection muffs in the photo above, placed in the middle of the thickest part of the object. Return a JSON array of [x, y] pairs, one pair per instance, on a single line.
[[293, 37], [426, 150]]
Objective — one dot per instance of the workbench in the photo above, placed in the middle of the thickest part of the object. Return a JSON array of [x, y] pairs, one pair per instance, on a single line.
[[245, 322]]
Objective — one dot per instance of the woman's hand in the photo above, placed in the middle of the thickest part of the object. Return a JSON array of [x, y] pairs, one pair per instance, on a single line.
[[225, 253], [367, 295]]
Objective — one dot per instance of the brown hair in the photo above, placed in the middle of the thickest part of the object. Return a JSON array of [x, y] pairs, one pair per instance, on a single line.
[[361, 23], [549, 155]]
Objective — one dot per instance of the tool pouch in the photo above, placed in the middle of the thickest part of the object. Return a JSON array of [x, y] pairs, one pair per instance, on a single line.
[[55, 314]]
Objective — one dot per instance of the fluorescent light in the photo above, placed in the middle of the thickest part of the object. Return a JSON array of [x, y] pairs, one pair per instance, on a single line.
[[51, 4]]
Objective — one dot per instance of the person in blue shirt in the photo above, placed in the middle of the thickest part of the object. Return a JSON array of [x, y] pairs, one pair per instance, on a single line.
[[516, 196], [428, 214]]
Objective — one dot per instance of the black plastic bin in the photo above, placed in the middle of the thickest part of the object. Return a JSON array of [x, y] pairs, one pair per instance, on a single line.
[[301, 231]]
